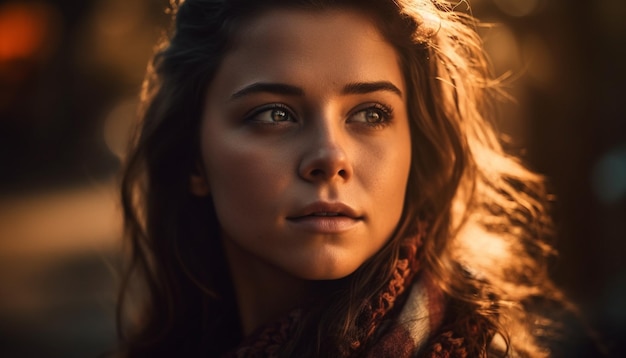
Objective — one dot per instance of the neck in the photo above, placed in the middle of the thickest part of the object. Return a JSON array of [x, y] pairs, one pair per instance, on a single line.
[[264, 292]]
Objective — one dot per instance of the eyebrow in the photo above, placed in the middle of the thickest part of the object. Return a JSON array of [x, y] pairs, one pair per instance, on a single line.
[[289, 90], [262, 87], [368, 87]]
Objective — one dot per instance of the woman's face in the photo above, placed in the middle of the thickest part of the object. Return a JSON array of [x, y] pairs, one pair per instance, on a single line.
[[305, 142]]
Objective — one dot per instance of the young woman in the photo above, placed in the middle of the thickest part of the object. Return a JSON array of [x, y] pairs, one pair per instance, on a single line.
[[319, 178]]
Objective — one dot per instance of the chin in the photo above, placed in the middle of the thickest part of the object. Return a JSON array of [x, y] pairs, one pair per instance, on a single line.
[[323, 272]]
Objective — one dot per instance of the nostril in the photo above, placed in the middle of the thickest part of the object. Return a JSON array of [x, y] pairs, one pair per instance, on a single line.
[[325, 165], [321, 173]]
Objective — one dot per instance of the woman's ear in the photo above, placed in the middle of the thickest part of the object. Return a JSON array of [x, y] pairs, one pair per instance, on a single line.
[[198, 184]]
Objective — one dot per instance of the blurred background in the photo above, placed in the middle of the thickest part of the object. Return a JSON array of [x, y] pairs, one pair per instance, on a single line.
[[70, 74]]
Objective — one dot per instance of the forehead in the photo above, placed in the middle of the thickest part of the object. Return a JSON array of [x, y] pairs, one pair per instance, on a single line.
[[311, 46]]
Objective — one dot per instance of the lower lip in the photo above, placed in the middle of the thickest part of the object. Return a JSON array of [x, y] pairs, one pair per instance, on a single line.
[[325, 224]]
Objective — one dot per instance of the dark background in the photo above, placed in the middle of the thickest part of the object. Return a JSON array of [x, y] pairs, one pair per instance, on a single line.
[[70, 72]]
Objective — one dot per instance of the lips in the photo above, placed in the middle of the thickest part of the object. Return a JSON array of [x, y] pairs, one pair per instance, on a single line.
[[327, 214], [325, 218], [324, 209]]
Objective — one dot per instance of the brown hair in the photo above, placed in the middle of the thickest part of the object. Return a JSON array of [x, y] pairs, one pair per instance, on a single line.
[[487, 221]]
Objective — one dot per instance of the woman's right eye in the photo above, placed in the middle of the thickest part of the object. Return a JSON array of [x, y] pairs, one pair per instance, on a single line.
[[274, 114]]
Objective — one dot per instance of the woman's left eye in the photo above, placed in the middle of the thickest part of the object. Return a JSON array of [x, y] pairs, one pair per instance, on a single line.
[[376, 115]]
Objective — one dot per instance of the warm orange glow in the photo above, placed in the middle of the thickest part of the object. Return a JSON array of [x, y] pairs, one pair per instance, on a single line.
[[22, 30], [57, 224]]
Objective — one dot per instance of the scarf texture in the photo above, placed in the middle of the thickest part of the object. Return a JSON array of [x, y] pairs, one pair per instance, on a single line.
[[407, 318]]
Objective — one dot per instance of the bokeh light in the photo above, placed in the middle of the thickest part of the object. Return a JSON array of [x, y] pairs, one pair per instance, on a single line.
[[517, 8]]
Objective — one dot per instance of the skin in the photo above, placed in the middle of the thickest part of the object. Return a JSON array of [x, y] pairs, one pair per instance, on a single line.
[[307, 113]]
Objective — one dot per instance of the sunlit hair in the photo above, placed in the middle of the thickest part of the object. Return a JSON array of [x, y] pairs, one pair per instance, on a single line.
[[487, 222]]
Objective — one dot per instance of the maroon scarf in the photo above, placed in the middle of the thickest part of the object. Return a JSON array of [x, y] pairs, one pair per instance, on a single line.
[[419, 330]]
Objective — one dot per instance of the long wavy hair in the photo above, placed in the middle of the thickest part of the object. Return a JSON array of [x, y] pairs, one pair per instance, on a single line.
[[485, 247]]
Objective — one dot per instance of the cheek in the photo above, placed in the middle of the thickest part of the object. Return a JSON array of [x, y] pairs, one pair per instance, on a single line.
[[393, 180], [382, 174], [243, 180], [388, 169]]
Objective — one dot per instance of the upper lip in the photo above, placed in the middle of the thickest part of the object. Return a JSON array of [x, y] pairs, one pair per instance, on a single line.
[[321, 208]]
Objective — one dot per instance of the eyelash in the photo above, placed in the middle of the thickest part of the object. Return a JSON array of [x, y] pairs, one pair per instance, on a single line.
[[385, 112]]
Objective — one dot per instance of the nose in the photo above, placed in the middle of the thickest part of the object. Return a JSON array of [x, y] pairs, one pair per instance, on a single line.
[[325, 157]]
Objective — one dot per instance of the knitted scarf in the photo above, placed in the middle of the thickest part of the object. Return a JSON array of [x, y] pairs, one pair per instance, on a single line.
[[405, 319]]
